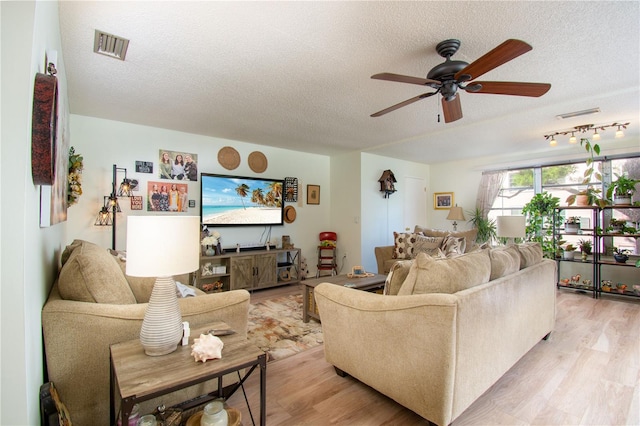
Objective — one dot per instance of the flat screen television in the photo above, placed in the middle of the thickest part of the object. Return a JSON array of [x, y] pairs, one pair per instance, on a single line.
[[240, 201]]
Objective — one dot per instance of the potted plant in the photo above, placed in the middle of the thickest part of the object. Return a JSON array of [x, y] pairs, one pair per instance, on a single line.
[[589, 195], [616, 226], [620, 255], [585, 248], [569, 251], [486, 227], [540, 214], [621, 190], [572, 225]]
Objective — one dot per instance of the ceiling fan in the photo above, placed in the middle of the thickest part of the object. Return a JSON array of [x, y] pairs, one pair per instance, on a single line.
[[451, 75]]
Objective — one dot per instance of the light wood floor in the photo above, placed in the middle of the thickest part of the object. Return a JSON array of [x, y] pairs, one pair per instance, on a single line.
[[588, 372]]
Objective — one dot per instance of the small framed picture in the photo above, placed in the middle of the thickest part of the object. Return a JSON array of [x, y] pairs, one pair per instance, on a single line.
[[442, 200], [313, 194]]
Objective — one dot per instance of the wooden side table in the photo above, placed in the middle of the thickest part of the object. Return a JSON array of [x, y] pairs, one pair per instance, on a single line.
[[138, 377]]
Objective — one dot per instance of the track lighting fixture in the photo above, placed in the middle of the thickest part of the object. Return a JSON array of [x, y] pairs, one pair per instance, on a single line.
[[584, 129]]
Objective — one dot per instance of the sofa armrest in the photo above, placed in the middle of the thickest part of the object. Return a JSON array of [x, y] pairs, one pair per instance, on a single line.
[[399, 345], [383, 254], [77, 336]]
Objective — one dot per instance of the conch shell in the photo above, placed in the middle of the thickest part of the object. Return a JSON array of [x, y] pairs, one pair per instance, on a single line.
[[206, 347]]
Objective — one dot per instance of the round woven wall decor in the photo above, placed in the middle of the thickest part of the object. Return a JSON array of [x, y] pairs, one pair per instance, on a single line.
[[257, 162], [289, 214], [228, 158]]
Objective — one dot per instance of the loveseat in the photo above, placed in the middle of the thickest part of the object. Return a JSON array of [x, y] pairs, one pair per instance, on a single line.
[[94, 304], [445, 330]]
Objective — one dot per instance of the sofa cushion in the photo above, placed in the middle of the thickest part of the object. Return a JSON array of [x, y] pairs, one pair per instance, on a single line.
[[504, 261], [403, 245], [396, 276], [469, 235], [449, 275], [428, 245], [91, 274], [530, 254]]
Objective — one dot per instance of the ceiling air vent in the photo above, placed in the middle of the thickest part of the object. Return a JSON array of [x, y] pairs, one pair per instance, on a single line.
[[110, 45], [578, 113]]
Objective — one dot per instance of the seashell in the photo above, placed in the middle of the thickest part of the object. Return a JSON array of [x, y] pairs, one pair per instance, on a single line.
[[206, 347]]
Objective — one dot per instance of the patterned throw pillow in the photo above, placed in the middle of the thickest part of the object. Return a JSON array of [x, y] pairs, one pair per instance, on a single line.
[[428, 245], [403, 245], [453, 246]]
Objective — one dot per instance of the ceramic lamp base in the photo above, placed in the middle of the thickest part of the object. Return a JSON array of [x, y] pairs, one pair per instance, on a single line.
[[162, 325]]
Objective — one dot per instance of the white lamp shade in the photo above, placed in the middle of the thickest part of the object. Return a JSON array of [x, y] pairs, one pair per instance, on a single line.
[[162, 246], [511, 226]]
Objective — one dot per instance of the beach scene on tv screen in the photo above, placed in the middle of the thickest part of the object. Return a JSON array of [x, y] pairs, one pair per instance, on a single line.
[[241, 201]]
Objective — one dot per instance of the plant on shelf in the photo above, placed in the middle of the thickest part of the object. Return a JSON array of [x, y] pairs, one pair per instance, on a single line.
[[589, 195], [572, 224], [616, 226], [622, 189], [620, 255], [585, 246], [569, 251], [74, 178], [540, 214], [485, 226]]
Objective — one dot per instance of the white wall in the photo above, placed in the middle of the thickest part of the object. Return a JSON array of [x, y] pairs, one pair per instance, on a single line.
[[29, 253], [380, 216], [104, 143]]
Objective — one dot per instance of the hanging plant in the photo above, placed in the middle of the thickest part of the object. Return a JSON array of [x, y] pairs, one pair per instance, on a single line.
[[74, 179]]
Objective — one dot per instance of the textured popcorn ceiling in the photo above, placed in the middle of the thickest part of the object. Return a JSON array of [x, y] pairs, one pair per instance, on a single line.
[[296, 75]]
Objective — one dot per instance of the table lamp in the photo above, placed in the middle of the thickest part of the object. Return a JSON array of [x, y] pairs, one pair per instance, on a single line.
[[162, 246], [455, 213], [511, 227]]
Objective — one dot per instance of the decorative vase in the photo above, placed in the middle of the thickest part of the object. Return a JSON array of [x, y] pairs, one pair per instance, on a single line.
[[568, 255], [584, 256], [582, 200], [620, 258], [621, 200], [571, 228], [210, 251]]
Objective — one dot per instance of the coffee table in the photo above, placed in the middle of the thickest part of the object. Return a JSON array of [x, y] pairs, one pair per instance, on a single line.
[[309, 308]]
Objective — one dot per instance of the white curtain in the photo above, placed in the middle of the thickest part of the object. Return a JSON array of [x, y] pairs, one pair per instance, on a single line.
[[488, 190]]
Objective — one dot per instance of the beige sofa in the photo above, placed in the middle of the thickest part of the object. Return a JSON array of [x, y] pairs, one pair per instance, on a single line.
[[387, 256], [445, 331], [92, 305]]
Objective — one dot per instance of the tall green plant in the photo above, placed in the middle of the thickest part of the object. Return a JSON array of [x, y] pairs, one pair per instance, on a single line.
[[589, 173], [486, 227], [539, 214]]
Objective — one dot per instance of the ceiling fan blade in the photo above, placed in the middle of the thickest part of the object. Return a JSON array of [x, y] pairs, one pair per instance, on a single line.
[[401, 104], [512, 88], [404, 79], [505, 52], [452, 109]]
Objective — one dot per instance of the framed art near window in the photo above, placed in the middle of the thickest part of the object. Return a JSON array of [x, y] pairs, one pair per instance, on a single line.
[[442, 200], [313, 194]]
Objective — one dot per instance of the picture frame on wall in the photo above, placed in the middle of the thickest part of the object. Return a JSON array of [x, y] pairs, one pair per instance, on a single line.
[[442, 200], [313, 194]]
